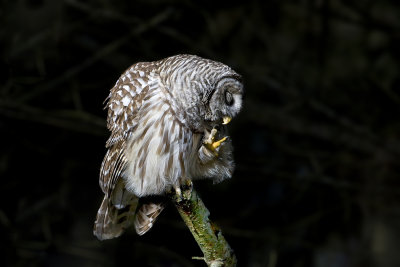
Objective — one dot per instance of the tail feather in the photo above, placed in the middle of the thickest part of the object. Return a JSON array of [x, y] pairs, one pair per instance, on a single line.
[[146, 216], [120, 210], [115, 214]]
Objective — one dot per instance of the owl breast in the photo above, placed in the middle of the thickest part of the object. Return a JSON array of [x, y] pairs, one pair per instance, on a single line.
[[157, 148]]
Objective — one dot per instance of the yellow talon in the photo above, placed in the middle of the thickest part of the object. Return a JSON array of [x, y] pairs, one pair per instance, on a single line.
[[218, 143], [212, 145]]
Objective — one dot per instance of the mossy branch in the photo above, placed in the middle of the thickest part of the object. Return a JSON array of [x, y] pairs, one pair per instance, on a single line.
[[216, 250]]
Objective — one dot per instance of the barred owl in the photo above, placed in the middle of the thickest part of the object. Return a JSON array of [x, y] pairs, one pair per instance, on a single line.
[[168, 126]]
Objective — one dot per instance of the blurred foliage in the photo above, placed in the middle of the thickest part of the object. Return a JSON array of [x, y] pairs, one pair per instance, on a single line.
[[317, 144]]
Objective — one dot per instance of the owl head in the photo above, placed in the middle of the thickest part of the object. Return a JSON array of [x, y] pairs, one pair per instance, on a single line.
[[224, 99], [210, 92]]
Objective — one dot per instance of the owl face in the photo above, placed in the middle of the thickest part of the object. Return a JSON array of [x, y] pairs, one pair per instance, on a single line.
[[225, 100]]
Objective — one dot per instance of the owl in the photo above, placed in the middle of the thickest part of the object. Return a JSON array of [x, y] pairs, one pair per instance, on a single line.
[[167, 120]]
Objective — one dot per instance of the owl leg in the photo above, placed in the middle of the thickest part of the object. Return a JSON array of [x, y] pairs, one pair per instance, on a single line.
[[185, 185]]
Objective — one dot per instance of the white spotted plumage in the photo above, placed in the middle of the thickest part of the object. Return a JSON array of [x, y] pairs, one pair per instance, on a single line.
[[159, 114]]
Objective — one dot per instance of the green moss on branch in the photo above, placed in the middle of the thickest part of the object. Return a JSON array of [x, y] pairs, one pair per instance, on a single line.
[[216, 250]]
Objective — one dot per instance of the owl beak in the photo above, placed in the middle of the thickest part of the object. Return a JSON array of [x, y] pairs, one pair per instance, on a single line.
[[226, 120]]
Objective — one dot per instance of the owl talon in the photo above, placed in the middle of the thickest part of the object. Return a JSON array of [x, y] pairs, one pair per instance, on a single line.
[[218, 143], [212, 145]]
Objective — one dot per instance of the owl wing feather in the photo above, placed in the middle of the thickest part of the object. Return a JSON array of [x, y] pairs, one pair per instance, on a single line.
[[146, 215], [116, 213], [123, 103], [125, 100], [118, 207]]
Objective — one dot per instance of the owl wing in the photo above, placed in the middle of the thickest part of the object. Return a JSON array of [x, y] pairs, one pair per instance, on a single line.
[[118, 207], [126, 98], [123, 103]]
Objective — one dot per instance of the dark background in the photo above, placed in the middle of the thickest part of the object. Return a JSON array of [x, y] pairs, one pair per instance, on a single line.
[[317, 143]]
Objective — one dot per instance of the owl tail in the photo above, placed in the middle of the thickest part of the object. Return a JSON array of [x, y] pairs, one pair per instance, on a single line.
[[146, 216], [115, 214]]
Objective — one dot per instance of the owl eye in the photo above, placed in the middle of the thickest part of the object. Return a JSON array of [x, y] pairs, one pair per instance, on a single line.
[[228, 98]]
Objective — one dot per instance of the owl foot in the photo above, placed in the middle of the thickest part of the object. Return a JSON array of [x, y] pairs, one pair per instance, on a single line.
[[187, 185], [183, 191], [211, 144], [178, 192], [175, 193]]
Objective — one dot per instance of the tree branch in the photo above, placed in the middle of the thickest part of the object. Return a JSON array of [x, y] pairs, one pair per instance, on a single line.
[[217, 252]]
